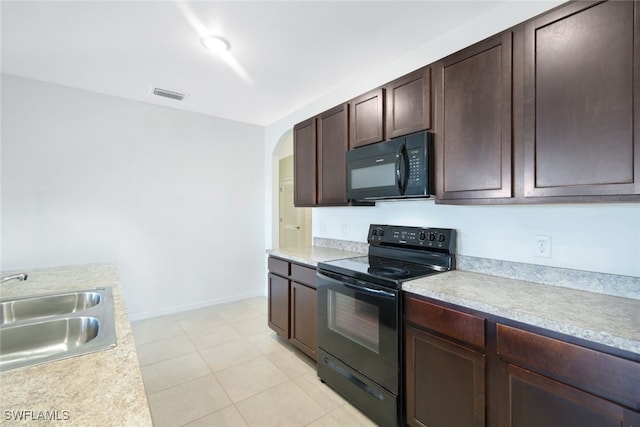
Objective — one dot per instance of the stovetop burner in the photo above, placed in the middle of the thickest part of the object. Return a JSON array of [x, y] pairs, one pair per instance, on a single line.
[[384, 271], [388, 271]]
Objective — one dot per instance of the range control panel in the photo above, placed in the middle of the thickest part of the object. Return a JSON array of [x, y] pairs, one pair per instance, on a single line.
[[443, 239]]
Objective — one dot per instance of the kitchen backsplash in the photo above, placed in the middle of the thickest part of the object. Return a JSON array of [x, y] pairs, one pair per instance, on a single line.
[[608, 284]]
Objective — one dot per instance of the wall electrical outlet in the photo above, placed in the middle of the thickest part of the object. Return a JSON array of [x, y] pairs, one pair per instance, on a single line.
[[323, 228], [542, 246]]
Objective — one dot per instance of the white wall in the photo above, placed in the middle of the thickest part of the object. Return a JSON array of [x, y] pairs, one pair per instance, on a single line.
[[92, 178], [594, 237], [604, 238]]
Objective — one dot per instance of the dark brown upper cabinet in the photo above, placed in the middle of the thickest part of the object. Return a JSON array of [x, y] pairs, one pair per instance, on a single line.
[[398, 108], [408, 103], [333, 143], [366, 121], [319, 147], [581, 124], [474, 121], [304, 165], [544, 112]]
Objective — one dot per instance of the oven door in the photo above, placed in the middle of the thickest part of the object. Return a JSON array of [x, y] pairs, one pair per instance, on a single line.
[[358, 324]]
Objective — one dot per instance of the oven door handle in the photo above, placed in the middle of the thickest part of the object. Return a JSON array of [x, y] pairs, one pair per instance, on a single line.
[[374, 292], [356, 285]]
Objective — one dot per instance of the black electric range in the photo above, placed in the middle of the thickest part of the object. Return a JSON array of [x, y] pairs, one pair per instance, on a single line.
[[360, 315], [398, 254]]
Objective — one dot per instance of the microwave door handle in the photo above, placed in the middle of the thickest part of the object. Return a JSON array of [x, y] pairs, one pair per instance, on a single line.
[[398, 173], [402, 160]]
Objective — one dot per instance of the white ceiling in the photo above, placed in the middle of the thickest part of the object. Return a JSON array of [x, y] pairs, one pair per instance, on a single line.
[[288, 54]]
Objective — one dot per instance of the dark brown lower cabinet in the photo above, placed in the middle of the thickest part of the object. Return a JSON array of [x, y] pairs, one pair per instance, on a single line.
[[444, 366], [553, 383], [445, 382], [304, 319], [535, 401], [279, 304], [464, 368], [292, 304]]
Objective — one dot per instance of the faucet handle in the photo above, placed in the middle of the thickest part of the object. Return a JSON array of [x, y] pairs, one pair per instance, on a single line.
[[20, 277]]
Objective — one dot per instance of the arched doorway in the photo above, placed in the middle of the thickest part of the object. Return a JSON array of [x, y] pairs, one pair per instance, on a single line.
[[293, 228]]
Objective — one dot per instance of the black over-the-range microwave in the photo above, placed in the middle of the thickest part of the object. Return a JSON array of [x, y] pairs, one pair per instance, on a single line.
[[399, 168]]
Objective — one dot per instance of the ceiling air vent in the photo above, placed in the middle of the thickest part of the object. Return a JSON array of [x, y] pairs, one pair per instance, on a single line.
[[168, 94]]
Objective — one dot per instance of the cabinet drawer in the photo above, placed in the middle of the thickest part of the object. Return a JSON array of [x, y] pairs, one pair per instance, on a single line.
[[278, 266], [602, 374], [304, 275], [452, 323]]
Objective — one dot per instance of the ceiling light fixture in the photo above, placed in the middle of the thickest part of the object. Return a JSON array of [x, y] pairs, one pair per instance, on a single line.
[[216, 44]]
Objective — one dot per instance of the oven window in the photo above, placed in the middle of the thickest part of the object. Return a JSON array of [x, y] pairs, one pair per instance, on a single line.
[[354, 319]]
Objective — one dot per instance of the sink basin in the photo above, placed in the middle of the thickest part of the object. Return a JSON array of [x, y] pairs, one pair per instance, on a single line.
[[45, 328], [47, 305], [41, 340]]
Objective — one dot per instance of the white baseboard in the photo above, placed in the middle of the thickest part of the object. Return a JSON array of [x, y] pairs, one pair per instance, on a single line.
[[187, 307]]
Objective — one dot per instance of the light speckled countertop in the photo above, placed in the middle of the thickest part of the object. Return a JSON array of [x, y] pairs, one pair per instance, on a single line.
[[613, 321], [312, 255], [103, 388], [608, 320]]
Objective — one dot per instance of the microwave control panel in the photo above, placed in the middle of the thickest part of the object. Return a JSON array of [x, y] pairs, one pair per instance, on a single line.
[[416, 166], [419, 149]]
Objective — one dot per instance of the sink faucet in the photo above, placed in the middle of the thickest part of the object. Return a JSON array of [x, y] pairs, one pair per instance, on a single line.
[[21, 277]]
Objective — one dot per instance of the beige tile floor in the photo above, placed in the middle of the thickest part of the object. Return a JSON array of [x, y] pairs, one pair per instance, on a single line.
[[222, 366]]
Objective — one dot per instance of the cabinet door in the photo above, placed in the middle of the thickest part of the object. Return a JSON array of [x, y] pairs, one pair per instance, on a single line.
[[409, 103], [333, 143], [581, 126], [305, 166], [597, 373], [304, 319], [535, 401], [445, 382], [473, 108], [366, 119], [279, 304]]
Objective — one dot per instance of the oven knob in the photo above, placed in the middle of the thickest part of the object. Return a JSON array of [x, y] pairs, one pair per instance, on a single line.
[[441, 237], [374, 232], [380, 232], [422, 235], [432, 236]]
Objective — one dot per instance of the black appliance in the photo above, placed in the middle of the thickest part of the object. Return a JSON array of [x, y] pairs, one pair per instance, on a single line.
[[399, 168], [360, 314]]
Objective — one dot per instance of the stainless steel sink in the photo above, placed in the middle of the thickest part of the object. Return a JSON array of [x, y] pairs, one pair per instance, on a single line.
[[47, 305], [45, 328]]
